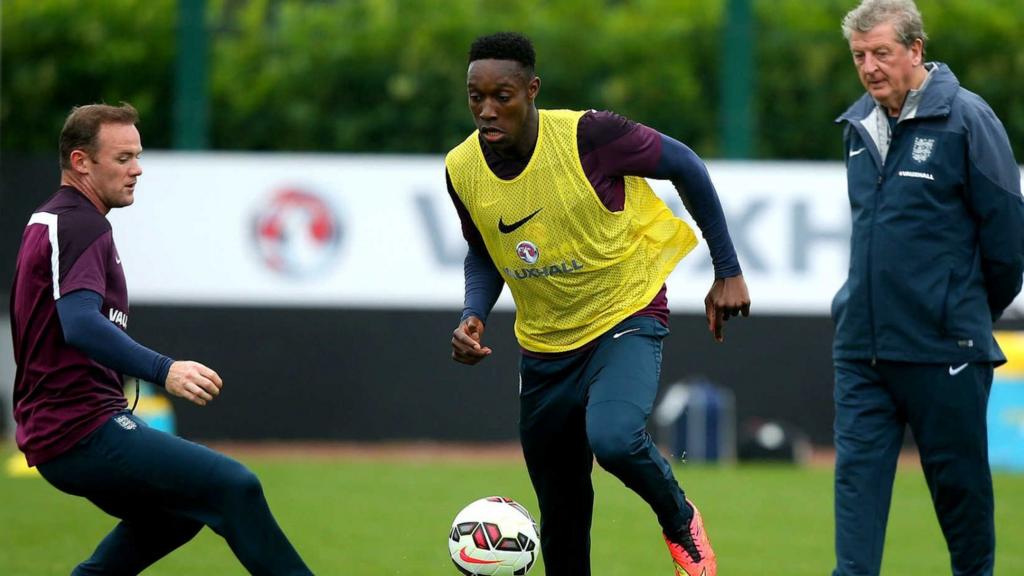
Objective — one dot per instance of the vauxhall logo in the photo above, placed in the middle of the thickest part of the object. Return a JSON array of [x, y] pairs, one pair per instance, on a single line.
[[544, 271], [529, 253], [118, 317]]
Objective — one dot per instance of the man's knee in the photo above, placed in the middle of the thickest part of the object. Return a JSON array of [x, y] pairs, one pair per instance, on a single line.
[[236, 482], [617, 432], [614, 446]]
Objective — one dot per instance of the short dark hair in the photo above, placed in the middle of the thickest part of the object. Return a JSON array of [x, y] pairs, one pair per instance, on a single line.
[[83, 125], [504, 46]]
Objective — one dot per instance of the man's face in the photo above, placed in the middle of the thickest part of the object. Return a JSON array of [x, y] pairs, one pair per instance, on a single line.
[[114, 168], [887, 68], [500, 98]]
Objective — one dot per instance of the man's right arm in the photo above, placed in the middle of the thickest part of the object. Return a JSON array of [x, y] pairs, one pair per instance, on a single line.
[[483, 286], [483, 281]]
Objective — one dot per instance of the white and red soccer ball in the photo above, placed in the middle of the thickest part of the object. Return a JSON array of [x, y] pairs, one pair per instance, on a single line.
[[494, 536]]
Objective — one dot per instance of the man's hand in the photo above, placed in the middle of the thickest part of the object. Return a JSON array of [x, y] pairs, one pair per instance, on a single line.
[[193, 382], [728, 297], [466, 346]]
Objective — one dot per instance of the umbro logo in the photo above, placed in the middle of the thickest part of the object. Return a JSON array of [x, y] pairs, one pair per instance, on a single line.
[[506, 228], [125, 422]]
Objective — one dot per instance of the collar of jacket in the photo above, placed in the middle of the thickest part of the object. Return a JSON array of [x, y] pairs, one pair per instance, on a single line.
[[936, 97]]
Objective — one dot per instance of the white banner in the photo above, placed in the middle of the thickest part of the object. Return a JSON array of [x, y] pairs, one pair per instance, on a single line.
[[380, 231]]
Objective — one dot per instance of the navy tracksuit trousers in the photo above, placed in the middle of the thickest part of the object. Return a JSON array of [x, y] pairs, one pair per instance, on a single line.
[[594, 404], [945, 407], [165, 489]]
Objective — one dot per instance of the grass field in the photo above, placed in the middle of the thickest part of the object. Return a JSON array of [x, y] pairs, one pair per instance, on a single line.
[[366, 516]]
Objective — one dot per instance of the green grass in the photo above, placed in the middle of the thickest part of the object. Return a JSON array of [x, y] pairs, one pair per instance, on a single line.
[[392, 518]]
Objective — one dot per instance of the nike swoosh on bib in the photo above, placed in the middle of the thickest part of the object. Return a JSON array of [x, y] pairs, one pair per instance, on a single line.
[[506, 228]]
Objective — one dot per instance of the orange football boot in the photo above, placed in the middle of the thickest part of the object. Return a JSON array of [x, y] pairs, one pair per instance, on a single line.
[[693, 556]]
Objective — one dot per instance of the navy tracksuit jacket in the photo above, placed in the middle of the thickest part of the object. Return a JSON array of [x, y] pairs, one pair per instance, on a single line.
[[937, 251]]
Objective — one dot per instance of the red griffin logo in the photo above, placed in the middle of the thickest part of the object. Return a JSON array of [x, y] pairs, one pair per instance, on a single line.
[[297, 233], [527, 252]]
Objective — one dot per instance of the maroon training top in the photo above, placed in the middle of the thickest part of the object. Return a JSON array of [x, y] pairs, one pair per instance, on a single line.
[[60, 395]]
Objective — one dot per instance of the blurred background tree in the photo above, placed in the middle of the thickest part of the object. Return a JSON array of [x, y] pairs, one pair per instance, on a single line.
[[56, 54], [389, 75]]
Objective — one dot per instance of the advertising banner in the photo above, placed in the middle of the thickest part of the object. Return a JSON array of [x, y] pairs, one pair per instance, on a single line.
[[381, 232]]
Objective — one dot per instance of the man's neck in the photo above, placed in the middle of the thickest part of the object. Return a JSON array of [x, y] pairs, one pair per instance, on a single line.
[[523, 150], [76, 182], [920, 75]]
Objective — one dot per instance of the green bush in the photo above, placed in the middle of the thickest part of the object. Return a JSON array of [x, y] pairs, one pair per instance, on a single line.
[[57, 54], [389, 75]]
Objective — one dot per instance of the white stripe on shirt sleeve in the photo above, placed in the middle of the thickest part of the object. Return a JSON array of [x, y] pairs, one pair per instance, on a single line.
[[50, 221]]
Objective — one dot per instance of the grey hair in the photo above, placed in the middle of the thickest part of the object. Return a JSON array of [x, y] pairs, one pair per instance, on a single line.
[[903, 14]]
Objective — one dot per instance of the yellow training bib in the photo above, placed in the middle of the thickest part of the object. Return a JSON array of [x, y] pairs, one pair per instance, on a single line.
[[575, 268]]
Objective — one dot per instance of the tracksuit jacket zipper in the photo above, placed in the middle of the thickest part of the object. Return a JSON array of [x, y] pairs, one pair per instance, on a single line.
[[871, 274], [880, 164]]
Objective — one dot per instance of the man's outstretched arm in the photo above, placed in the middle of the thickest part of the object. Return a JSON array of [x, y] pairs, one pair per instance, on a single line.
[[728, 295], [85, 328]]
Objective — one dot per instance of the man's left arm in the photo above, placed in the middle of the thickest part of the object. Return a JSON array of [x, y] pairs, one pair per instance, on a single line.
[[626, 148], [681, 165], [728, 295], [994, 197]]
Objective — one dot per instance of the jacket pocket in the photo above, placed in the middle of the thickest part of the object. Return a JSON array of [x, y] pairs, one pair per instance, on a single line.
[[944, 312], [839, 302]]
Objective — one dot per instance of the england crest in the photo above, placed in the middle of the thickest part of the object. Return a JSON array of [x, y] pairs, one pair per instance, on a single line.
[[922, 149]]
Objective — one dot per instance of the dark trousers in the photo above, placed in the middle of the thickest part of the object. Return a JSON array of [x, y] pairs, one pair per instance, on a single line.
[[165, 489], [587, 405], [945, 407]]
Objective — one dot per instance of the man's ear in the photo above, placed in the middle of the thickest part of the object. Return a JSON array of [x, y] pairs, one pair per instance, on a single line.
[[80, 161], [533, 88], [918, 47]]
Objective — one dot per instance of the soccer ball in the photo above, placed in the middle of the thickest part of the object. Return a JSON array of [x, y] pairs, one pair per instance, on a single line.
[[494, 537]]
